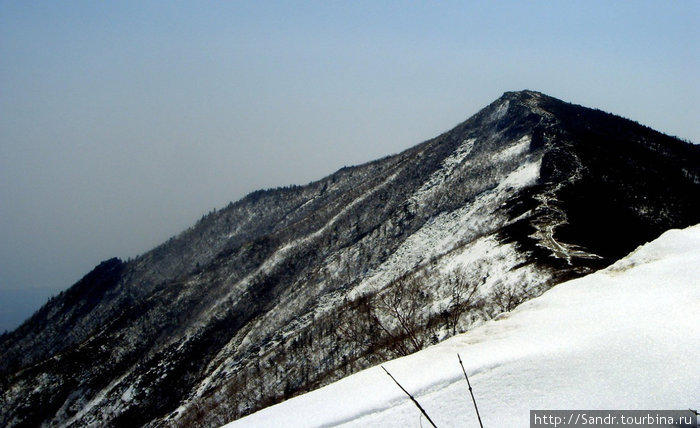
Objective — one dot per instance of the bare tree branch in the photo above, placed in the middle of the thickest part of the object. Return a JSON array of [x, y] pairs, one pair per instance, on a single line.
[[470, 390], [411, 397]]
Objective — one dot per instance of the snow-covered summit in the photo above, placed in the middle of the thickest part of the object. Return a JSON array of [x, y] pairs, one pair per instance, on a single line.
[[622, 338]]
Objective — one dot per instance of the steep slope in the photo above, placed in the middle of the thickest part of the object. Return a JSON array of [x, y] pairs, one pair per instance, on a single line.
[[603, 341], [289, 289]]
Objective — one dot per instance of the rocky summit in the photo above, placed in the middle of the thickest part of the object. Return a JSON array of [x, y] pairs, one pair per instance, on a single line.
[[292, 288]]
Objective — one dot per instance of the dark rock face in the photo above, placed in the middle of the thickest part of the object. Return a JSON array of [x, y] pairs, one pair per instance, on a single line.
[[292, 288]]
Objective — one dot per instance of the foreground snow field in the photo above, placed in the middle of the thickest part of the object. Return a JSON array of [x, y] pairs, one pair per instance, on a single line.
[[623, 338]]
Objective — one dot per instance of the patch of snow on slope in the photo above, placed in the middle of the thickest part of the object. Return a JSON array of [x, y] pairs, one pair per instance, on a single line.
[[622, 338], [493, 262], [524, 176], [500, 111], [518, 148], [447, 230], [447, 168], [97, 400]]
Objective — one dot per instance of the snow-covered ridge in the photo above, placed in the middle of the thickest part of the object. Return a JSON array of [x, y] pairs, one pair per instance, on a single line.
[[604, 341]]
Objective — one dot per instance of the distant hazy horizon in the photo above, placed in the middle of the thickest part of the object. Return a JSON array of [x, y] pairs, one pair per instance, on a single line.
[[122, 123]]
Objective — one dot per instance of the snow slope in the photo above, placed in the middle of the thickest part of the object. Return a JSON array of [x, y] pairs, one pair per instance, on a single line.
[[623, 338]]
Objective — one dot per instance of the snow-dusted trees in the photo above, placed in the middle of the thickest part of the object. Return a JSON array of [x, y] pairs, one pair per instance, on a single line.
[[401, 313], [462, 290], [357, 327], [506, 297]]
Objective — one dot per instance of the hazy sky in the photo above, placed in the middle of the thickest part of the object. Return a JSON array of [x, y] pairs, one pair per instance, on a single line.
[[121, 123]]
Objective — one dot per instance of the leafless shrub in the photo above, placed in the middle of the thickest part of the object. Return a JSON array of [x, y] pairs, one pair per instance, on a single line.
[[401, 314], [462, 290], [505, 298]]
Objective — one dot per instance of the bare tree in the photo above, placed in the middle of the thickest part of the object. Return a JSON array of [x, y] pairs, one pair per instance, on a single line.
[[505, 298], [402, 305], [356, 326], [462, 291]]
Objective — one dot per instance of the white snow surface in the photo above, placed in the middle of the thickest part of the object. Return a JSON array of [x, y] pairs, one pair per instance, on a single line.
[[441, 234], [623, 338]]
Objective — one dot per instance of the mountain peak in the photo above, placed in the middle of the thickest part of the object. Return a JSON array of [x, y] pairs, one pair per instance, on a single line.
[[287, 290], [525, 97], [522, 94]]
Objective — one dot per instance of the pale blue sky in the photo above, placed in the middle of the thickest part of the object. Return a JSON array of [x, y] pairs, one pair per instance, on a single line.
[[121, 123]]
